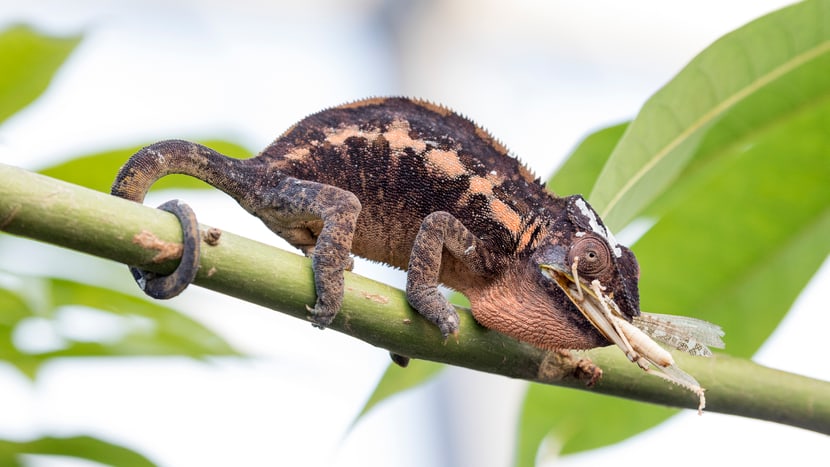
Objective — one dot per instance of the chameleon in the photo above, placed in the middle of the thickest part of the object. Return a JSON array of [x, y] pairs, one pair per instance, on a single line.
[[419, 187]]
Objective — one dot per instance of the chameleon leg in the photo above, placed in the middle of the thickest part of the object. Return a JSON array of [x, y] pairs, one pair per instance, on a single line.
[[294, 210], [168, 286], [439, 231]]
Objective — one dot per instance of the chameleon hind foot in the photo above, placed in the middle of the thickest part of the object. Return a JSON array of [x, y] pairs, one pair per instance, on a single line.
[[168, 286], [400, 360]]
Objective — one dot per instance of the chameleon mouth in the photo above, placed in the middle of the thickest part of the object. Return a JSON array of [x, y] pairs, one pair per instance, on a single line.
[[589, 298], [603, 313]]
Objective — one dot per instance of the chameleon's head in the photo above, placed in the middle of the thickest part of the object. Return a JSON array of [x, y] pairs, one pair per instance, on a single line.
[[577, 285], [597, 274]]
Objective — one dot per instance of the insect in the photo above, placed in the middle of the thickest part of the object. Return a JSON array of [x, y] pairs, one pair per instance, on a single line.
[[419, 187], [635, 338]]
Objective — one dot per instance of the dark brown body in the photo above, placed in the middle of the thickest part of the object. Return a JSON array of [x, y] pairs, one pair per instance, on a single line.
[[409, 184], [404, 160]]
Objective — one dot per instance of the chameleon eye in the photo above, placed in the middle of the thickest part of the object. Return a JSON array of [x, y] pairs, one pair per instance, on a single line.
[[593, 253]]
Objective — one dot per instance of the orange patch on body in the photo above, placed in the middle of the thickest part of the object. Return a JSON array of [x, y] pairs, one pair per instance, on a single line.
[[445, 163], [524, 241], [338, 137], [481, 186], [494, 178], [505, 216], [398, 137], [297, 154]]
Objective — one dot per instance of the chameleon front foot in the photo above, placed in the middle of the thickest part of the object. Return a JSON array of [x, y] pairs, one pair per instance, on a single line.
[[432, 305], [168, 286]]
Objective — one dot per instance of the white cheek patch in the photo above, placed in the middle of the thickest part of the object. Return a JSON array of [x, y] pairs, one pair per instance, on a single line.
[[613, 242], [598, 229]]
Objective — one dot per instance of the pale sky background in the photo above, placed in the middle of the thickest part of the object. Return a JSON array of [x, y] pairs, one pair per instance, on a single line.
[[539, 74]]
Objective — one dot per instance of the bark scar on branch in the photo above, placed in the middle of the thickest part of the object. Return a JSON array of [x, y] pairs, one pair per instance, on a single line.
[[166, 250], [10, 217]]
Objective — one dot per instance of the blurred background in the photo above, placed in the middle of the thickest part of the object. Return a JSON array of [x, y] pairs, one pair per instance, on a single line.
[[540, 75]]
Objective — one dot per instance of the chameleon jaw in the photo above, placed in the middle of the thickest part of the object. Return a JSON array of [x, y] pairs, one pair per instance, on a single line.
[[595, 306], [603, 313]]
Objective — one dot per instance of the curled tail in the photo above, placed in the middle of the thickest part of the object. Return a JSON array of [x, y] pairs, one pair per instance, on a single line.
[[178, 157]]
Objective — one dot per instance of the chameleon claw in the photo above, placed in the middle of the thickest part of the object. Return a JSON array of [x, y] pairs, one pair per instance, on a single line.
[[448, 324], [454, 335], [320, 319], [168, 286]]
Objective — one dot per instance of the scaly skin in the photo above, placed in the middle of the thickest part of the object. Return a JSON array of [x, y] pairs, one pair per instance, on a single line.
[[418, 187]]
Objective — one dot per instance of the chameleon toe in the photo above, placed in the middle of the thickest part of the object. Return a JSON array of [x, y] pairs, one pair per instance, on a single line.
[[449, 323]]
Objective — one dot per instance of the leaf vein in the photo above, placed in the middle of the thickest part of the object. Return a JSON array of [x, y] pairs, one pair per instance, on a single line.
[[709, 116]]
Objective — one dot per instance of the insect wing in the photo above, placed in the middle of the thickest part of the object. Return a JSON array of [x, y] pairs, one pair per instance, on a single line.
[[691, 335]]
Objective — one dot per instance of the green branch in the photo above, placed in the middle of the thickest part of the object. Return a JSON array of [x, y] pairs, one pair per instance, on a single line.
[[52, 211]]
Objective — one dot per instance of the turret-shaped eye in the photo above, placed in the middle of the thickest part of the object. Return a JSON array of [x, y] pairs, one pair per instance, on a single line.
[[593, 254]]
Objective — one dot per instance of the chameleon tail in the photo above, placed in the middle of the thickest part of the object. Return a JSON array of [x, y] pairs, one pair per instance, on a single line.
[[177, 157]]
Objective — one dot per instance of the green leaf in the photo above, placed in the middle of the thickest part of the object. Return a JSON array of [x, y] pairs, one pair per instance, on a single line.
[[787, 49], [80, 447], [745, 233], [397, 379], [745, 238], [581, 169], [573, 421], [97, 171], [13, 310], [780, 102], [139, 327], [738, 199], [173, 333], [28, 60]]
